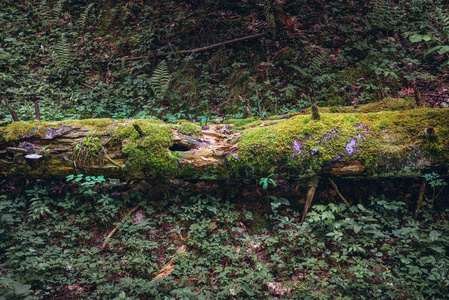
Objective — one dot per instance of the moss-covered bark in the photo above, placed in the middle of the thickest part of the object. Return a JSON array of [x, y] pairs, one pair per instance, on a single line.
[[377, 144]]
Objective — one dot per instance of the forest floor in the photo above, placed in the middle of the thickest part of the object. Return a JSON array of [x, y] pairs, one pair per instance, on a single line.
[[193, 241]]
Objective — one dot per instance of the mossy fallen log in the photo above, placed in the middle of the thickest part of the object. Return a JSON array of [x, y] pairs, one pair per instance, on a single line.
[[380, 144]]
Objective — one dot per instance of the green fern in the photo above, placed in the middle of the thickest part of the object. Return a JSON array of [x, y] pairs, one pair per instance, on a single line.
[[62, 53], [381, 15], [50, 14], [44, 12], [84, 16], [442, 17], [318, 61], [418, 6], [160, 81], [58, 10]]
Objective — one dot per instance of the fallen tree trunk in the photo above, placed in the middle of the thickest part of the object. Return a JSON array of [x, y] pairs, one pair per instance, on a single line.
[[382, 144]]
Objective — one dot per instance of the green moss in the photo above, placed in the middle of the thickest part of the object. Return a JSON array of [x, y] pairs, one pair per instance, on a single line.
[[190, 129], [240, 122], [385, 142], [382, 124], [17, 130], [388, 104], [148, 154]]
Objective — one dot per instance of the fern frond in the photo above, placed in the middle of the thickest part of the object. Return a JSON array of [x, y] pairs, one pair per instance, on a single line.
[[319, 61], [160, 81], [442, 17], [418, 6], [44, 11], [84, 16], [62, 53], [381, 15], [58, 10]]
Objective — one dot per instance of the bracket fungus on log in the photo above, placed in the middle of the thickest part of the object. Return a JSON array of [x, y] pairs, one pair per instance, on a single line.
[[379, 144]]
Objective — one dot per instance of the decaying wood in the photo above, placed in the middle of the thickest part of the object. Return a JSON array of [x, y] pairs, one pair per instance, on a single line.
[[170, 265], [13, 113], [117, 227], [313, 183]]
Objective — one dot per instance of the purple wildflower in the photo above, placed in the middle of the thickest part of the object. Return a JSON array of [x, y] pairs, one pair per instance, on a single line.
[[329, 134], [350, 147], [359, 136], [297, 148], [114, 194], [314, 151], [337, 158], [359, 126], [235, 156]]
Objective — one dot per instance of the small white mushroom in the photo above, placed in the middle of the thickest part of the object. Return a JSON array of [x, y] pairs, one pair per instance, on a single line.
[[33, 156]]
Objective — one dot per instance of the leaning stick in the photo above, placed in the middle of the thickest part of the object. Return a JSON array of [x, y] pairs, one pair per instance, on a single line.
[[313, 183]]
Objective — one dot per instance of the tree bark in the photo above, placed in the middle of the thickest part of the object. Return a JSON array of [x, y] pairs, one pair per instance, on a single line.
[[370, 145]]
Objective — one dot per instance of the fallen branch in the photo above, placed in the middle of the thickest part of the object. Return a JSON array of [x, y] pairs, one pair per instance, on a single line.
[[249, 37], [170, 265], [116, 227]]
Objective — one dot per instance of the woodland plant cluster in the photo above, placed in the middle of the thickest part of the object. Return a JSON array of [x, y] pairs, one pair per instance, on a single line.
[[71, 58], [52, 236]]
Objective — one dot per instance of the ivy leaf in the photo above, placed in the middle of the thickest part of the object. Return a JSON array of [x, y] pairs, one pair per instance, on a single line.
[[443, 50], [357, 228], [416, 38]]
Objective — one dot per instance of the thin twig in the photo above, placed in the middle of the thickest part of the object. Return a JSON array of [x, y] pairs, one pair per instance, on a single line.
[[183, 51], [341, 196]]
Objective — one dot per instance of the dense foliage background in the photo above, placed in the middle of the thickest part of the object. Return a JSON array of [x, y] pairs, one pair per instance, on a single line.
[[57, 53]]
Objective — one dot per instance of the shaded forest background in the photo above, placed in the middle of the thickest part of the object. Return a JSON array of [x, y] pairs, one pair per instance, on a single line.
[[72, 58]]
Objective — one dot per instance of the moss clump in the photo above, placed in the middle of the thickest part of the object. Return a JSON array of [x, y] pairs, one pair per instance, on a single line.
[[18, 130], [148, 154], [87, 150], [241, 122], [190, 129], [388, 104]]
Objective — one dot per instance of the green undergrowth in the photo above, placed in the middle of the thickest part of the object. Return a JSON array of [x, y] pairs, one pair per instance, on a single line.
[[52, 236]]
